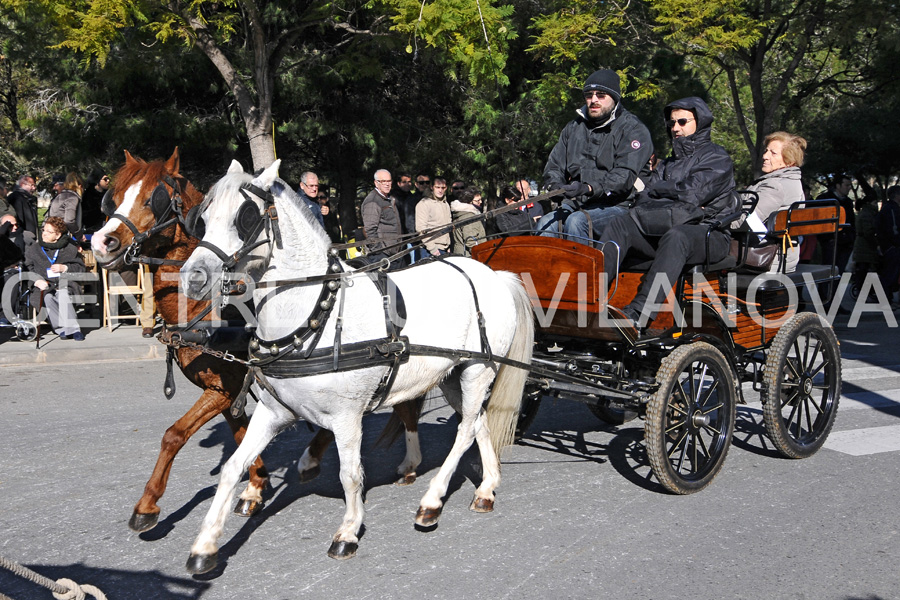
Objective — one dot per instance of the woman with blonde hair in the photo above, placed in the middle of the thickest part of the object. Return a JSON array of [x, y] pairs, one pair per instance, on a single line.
[[778, 188]]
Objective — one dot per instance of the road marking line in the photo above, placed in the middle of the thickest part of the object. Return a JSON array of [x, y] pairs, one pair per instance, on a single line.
[[860, 400], [869, 440]]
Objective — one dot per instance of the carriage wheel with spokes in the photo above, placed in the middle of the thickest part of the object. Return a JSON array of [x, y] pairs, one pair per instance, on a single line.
[[803, 379], [690, 418]]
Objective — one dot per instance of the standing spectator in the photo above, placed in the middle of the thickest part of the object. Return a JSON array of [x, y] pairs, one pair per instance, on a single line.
[[597, 160], [12, 243], [50, 259], [423, 184], [839, 190], [513, 222], [24, 204], [329, 217], [534, 210], [67, 203], [433, 211], [91, 216], [402, 192], [407, 201], [5, 208], [309, 189], [889, 241], [381, 219], [865, 247], [471, 234]]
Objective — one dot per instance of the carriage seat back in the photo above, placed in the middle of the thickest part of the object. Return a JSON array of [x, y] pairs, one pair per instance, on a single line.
[[554, 270]]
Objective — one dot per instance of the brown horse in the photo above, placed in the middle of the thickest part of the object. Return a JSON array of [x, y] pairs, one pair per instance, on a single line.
[[138, 200]]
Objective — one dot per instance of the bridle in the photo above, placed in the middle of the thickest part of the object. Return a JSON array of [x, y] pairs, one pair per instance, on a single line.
[[248, 221], [167, 210]]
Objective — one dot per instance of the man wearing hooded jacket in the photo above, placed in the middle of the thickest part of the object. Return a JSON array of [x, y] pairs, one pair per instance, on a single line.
[[597, 161], [699, 172]]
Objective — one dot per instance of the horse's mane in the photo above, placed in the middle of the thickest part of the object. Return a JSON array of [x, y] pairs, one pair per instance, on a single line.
[[138, 169]]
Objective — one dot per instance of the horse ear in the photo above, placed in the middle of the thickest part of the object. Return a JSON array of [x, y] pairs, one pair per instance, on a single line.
[[129, 158], [235, 167], [174, 162], [267, 177]]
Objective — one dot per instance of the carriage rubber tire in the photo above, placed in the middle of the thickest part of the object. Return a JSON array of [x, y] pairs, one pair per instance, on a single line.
[[531, 403], [800, 443], [613, 416], [661, 421]]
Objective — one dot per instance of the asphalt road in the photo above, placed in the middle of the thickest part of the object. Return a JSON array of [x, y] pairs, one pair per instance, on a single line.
[[578, 514]]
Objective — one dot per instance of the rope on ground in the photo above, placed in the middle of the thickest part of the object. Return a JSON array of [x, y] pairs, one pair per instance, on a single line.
[[63, 589]]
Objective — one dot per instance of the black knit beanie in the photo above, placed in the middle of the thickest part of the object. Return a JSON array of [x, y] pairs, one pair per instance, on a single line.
[[604, 80]]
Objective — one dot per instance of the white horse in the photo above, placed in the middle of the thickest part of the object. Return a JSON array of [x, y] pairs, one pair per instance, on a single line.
[[442, 311]]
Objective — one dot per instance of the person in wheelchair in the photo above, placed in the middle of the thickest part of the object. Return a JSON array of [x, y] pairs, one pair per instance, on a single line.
[[778, 188], [50, 259], [671, 219]]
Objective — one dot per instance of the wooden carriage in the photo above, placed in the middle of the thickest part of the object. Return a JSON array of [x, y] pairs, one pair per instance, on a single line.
[[724, 325]]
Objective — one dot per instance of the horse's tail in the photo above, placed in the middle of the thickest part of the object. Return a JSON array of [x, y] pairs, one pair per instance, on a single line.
[[506, 397], [410, 410]]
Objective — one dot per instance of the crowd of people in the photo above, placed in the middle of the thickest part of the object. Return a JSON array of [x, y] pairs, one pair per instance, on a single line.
[[46, 255], [614, 190]]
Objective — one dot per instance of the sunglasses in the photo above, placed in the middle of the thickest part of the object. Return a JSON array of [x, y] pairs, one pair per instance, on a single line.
[[591, 94], [681, 122], [423, 181]]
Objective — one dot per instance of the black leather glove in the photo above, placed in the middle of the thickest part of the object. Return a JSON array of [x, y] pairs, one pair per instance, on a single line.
[[554, 186], [576, 188]]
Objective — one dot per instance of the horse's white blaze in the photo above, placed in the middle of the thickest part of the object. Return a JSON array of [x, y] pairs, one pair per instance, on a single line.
[[98, 240]]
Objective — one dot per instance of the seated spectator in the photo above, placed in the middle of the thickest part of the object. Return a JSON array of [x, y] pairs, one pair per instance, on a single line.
[[535, 211], [433, 211], [67, 204], [50, 259], [471, 234], [700, 175], [778, 188], [513, 222]]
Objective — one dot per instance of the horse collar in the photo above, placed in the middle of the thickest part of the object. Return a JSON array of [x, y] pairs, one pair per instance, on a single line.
[[265, 351]]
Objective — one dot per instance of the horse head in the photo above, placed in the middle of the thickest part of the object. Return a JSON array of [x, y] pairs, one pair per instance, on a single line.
[[231, 224], [143, 205]]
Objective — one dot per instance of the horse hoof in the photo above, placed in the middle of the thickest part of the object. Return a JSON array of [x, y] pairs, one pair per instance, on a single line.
[[247, 508], [310, 474], [342, 550], [482, 505], [201, 563], [141, 522], [426, 517], [407, 479]]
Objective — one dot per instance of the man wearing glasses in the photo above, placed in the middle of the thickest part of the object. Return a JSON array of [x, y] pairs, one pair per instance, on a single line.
[[309, 189], [597, 161], [381, 219], [699, 173]]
